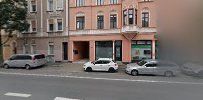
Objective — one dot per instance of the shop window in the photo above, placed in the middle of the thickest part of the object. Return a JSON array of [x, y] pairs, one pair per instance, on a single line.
[[147, 52]]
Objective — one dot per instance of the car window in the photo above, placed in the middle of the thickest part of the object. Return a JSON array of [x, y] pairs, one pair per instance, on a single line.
[[23, 57], [106, 62], [13, 58], [150, 65], [98, 62], [141, 63], [39, 56]]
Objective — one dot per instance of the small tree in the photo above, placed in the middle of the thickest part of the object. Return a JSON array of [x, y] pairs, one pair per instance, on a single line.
[[13, 15]]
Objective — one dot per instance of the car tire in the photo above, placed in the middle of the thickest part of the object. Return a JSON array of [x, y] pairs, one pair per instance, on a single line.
[[6, 66], [134, 73], [27, 66], [88, 69], [111, 70], [168, 74]]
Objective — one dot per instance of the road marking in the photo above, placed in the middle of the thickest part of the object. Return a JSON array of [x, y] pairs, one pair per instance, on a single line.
[[62, 98], [18, 94], [109, 79]]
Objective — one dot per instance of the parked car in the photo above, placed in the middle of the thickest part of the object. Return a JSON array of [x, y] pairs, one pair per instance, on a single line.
[[102, 64], [25, 60], [152, 67]]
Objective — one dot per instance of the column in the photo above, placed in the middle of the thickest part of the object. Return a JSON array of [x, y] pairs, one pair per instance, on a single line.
[[92, 50], [113, 50], [70, 51], [153, 49]]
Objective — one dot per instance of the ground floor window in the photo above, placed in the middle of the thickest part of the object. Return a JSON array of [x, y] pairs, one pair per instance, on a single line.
[[141, 50], [104, 49]]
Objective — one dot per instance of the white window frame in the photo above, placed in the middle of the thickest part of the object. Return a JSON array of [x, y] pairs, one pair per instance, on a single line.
[[49, 50], [48, 8], [30, 22], [30, 2], [58, 7], [57, 29], [54, 27]]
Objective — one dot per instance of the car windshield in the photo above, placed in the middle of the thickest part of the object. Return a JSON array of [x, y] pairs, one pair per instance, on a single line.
[[141, 63]]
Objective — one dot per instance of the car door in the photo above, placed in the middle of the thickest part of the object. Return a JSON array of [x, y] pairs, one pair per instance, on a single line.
[[98, 65], [12, 61], [106, 65], [149, 68]]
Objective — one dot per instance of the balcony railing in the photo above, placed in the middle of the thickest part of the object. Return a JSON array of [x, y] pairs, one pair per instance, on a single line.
[[137, 29], [90, 32]]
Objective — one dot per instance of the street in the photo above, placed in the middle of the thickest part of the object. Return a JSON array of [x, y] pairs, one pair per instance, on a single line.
[[28, 87]]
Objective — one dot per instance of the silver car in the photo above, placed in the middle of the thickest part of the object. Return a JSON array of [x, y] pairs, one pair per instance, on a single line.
[[25, 60], [152, 67]]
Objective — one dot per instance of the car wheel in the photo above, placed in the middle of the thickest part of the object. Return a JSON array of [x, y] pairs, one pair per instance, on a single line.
[[168, 73], [134, 72], [6, 66], [88, 69], [111, 70], [27, 66]]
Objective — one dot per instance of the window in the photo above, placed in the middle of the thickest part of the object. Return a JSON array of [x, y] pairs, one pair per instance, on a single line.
[[33, 7], [99, 62], [80, 22], [59, 24], [100, 22], [50, 5], [113, 1], [33, 26], [59, 5], [130, 16], [113, 21], [135, 16], [80, 3], [51, 25], [100, 2], [51, 49], [145, 19], [125, 17]]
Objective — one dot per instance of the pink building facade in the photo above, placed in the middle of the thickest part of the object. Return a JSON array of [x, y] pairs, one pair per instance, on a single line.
[[73, 30], [120, 29]]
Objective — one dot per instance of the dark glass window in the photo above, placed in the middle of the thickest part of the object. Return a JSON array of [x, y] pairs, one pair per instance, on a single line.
[[135, 16], [125, 17], [113, 21], [145, 19], [80, 23], [113, 1], [130, 16], [100, 2], [104, 49], [100, 21], [80, 3]]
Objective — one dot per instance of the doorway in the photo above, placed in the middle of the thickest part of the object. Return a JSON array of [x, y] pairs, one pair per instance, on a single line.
[[65, 50]]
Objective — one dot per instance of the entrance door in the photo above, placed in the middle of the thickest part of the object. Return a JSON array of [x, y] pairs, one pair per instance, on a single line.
[[118, 50], [65, 50]]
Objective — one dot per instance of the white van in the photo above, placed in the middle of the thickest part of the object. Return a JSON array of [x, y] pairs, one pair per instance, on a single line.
[[25, 60]]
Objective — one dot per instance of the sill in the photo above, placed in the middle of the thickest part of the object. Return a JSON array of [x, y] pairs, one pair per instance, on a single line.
[[33, 11], [60, 10], [29, 32], [50, 11]]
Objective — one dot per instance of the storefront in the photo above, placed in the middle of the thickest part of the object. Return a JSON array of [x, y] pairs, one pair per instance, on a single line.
[[141, 50], [104, 49]]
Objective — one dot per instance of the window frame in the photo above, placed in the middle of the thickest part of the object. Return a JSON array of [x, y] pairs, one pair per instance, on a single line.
[[145, 19], [114, 22], [78, 21], [100, 22]]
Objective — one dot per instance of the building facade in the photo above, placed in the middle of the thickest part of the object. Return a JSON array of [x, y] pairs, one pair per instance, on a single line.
[[120, 29], [48, 30], [73, 30]]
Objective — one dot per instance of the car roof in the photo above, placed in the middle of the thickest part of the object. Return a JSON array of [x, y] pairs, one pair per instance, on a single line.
[[105, 59], [151, 60], [27, 54]]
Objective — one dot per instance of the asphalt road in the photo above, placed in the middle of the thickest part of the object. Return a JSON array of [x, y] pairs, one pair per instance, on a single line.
[[17, 87]]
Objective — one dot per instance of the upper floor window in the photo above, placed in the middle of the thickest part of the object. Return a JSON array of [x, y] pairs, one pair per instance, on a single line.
[[130, 16], [100, 2], [113, 21], [113, 1], [145, 19], [80, 3], [50, 5], [50, 25], [59, 25], [33, 26], [80, 23], [100, 22], [33, 7], [125, 19], [59, 5], [135, 16]]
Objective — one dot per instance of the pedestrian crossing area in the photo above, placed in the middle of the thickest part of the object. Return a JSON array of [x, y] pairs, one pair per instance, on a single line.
[[24, 95]]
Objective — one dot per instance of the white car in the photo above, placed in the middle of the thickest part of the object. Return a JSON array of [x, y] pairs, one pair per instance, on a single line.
[[152, 67], [102, 64]]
